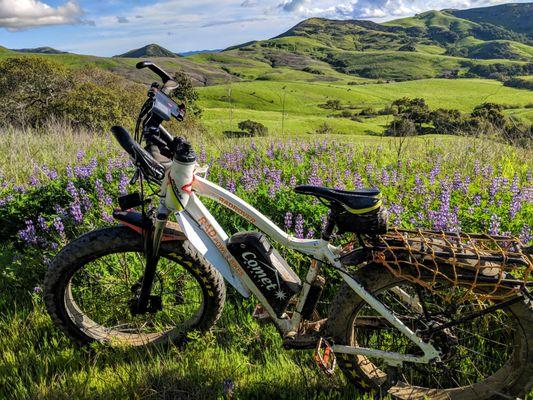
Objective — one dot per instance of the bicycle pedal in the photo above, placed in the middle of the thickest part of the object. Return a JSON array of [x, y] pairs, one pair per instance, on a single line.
[[260, 314], [325, 357]]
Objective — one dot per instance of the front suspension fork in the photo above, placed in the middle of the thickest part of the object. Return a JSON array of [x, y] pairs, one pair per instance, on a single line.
[[152, 245]]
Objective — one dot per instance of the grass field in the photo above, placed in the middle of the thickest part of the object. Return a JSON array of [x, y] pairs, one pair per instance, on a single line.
[[226, 105], [37, 361]]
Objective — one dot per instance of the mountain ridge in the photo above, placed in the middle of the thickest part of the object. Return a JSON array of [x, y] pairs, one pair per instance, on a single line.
[[150, 50]]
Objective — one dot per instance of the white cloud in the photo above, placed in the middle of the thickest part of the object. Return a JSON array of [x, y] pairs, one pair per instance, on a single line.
[[24, 14], [293, 5]]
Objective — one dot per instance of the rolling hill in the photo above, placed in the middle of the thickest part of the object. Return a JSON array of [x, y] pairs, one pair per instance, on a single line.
[[482, 42], [41, 50], [150, 50]]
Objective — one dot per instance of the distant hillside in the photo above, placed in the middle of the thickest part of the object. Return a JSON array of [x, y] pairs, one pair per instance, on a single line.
[[40, 50], [493, 42], [516, 17], [191, 53], [151, 50], [430, 44]]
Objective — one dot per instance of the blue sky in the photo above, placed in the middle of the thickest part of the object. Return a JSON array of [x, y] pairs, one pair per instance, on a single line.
[[109, 27]]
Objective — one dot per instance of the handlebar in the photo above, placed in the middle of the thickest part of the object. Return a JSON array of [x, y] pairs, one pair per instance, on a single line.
[[143, 160], [165, 77]]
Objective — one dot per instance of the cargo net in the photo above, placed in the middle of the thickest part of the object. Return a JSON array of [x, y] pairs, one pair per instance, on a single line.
[[484, 266]]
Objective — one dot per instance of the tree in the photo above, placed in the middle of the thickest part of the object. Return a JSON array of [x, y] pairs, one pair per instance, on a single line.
[[30, 88], [447, 121], [186, 93], [415, 110]]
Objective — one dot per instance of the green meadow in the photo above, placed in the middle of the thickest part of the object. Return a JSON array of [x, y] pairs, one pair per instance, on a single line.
[[297, 104]]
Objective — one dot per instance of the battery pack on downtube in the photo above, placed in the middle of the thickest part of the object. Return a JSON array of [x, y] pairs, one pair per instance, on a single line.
[[266, 268]]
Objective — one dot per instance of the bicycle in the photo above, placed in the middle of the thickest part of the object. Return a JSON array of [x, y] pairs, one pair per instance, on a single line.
[[420, 314]]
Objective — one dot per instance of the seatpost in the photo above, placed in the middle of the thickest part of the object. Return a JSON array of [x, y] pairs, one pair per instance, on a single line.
[[328, 229]]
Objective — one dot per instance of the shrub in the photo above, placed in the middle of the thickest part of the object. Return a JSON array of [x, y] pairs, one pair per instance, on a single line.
[[407, 47], [401, 127], [236, 134], [332, 105], [93, 106], [253, 128], [323, 129], [519, 83], [30, 88], [490, 112], [312, 70]]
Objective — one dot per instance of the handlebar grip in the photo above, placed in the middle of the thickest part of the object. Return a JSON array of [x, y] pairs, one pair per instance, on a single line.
[[149, 166], [124, 139]]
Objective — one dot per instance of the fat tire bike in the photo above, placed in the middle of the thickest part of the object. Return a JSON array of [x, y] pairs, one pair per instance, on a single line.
[[419, 314]]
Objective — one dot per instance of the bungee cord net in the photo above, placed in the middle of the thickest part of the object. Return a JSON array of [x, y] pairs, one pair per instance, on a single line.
[[487, 266]]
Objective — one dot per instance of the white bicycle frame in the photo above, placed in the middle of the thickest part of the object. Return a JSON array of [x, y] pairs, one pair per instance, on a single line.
[[209, 239]]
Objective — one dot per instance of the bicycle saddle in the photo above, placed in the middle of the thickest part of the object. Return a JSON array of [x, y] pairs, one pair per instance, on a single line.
[[356, 201]]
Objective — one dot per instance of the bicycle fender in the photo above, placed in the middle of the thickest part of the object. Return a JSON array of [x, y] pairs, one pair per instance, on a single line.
[[205, 246]]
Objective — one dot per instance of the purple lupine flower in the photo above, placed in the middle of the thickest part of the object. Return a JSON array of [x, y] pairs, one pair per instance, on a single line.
[[75, 211], [58, 226], [100, 191], [34, 180], [494, 226], [288, 220], [292, 181], [516, 198], [71, 189], [85, 200], [434, 172], [384, 177], [310, 234], [419, 188], [395, 211], [80, 155], [313, 178], [299, 226], [525, 235], [123, 183], [37, 290], [477, 168], [106, 217], [202, 156], [50, 173], [494, 188], [42, 223], [28, 234], [230, 185]]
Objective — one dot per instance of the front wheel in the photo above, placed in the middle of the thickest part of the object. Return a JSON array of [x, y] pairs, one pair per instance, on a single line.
[[92, 285], [489, 357]]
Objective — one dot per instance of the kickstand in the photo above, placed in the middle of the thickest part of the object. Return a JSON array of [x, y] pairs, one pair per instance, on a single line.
[[392, 379]]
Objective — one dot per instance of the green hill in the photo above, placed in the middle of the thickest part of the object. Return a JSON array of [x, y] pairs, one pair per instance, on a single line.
[[433, 44], [150, 50], [516, 17], [41, 50]]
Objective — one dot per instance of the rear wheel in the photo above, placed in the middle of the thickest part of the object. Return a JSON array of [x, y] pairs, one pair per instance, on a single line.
[[488, 357], [94, 281]]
